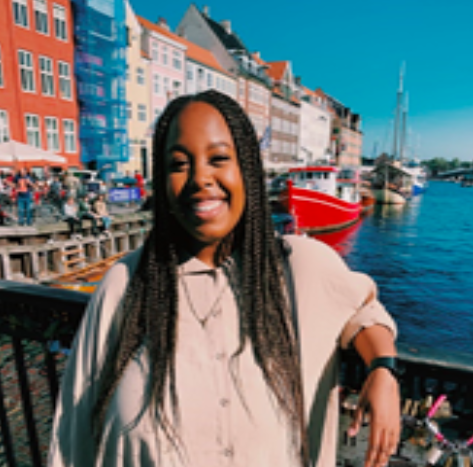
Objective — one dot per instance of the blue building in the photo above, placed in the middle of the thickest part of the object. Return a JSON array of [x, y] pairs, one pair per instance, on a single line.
[[100, 67]]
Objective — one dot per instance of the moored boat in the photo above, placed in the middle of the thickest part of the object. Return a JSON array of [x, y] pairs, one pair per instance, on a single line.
[[391, 183], [322, 198], [85, 279]]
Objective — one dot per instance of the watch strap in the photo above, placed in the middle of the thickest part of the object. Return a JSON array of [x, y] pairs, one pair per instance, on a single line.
[[390, 363]]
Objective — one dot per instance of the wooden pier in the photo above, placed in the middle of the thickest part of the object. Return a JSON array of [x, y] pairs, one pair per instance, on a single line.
[[41, 253]]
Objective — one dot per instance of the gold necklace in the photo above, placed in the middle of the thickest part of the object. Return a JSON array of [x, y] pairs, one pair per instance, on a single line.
[[211, 312]]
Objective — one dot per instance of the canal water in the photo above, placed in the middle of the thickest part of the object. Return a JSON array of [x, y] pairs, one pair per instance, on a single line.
[[421, 256]]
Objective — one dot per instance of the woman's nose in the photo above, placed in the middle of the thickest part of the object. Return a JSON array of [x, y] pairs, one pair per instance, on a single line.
[[202, 175]]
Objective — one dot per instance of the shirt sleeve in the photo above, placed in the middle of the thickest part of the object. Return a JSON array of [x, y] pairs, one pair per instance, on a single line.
[[72, 443], [349, 298]]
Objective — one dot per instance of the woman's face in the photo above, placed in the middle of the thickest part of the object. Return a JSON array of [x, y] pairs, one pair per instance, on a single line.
[[205, 187]]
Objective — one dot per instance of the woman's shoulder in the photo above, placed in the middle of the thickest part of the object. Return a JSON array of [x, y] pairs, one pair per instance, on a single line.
[[301, 247]]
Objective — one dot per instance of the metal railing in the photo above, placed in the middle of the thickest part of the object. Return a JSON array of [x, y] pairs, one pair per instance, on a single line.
[[36, 322]]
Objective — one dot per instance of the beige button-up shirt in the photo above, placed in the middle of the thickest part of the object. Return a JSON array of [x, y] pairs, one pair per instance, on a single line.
[[228, 416]]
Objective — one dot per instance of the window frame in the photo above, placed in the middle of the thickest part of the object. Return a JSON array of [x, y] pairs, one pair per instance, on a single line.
[[33, 132], [52, 133], [42, 11], [60, 22], [22, 11], [65, 81], [27, 71], [4, 126], [46, 77], [67, 133]]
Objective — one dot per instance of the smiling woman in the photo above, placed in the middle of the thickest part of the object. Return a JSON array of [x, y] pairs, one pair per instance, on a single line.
[[190, 353]]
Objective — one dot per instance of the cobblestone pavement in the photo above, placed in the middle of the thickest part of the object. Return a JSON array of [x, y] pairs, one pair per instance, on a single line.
[[40, 399]]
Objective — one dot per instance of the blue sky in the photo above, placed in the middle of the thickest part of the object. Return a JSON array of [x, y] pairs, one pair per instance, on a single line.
[[353, 50]]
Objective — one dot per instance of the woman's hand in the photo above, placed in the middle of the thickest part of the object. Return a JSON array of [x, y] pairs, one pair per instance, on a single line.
[[380, 398]]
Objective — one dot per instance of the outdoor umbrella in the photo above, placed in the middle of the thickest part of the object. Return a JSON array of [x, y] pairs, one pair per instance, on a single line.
[[15, 152]]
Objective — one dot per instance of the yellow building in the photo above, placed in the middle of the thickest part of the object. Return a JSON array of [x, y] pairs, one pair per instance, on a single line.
[[140, 117]]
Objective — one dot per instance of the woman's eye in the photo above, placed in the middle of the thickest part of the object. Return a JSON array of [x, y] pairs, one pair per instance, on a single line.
[[219, 158], [179, 164]]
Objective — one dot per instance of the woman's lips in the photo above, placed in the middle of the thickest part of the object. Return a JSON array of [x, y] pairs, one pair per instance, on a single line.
[[208, 209]]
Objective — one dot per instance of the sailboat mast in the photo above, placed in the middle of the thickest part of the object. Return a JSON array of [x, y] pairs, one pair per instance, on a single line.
[[404, 128], [398, 112]]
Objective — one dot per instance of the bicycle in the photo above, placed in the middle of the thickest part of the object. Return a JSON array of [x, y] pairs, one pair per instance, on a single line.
[[443, 451]]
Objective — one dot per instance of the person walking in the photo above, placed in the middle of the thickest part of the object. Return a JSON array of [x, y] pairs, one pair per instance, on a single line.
[[191, 352], [24, 186]]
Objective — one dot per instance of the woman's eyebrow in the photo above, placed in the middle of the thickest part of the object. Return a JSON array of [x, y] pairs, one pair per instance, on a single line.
[[176, 147]]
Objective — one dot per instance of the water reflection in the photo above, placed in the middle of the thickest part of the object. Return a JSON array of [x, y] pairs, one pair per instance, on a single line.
[[343, 240]]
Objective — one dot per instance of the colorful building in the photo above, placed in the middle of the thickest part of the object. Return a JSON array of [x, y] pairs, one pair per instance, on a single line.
[[100, 59], [166, 53], [314, 127], [253, 85], [38, 104], [139, 103]]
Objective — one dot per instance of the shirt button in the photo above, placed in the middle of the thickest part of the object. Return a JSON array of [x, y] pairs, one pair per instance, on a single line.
[[224, 402], [228, 452]]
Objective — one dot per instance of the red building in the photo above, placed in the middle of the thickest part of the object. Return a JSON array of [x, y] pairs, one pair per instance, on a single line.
[[38, 104]]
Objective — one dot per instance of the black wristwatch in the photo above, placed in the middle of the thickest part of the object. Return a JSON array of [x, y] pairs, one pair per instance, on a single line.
[[390, 363]]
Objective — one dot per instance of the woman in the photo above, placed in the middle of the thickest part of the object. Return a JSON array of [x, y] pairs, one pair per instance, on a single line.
[[189, 353], [71, 216]]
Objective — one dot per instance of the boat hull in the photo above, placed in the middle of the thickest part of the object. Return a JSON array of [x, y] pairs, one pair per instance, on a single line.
[[387, 196], [316, 212]]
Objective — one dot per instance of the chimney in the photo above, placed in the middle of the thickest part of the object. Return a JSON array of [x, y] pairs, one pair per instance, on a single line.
[[257, 55], [226, 25], [206, 11], [163, 23]]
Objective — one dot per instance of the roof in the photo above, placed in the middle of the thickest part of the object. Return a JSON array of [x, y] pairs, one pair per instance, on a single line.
[[230, 41], [159, 29], [204, 56], [276, 69], [315, 168], [193, 52]]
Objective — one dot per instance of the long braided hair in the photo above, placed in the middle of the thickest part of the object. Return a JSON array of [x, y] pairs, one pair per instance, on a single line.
[[151, 301]]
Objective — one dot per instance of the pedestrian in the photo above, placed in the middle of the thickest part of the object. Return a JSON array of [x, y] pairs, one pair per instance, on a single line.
[[86, 213], [71, 183], [24, 187], [190, 352], [71, 216], [99, 208]]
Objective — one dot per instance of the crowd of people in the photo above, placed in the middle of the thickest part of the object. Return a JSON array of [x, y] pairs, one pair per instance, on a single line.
[[76, 200]]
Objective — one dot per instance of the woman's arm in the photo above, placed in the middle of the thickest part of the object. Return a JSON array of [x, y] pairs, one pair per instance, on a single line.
[[379, 396]]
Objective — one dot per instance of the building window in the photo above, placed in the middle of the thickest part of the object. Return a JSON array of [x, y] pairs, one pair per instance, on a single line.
[[65, 89], [129, 109], [26, 71], [140, 76], [41, 16], [69, 136], [176, 88], [4, 127], [155, 51], [166, 86], [20, 12], [177, 61], [33, 137], [190, 74], [156, 86], [47, 80], [142, 112], [210, 79], [52, 133], [1, 70], [165, 55], [60, 29]]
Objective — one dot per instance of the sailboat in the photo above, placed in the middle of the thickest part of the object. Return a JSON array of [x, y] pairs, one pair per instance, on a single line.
[[391, 182]]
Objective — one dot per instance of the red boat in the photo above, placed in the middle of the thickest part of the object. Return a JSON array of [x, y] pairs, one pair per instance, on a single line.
[[322, 198]]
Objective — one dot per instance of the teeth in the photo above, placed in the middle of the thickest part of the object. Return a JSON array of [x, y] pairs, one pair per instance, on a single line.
[[205, 206]]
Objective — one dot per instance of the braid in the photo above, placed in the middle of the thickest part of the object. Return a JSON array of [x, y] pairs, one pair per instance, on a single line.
[[150, 304]]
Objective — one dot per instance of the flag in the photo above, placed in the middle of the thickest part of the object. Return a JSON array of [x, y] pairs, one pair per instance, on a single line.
[[265, 141]]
